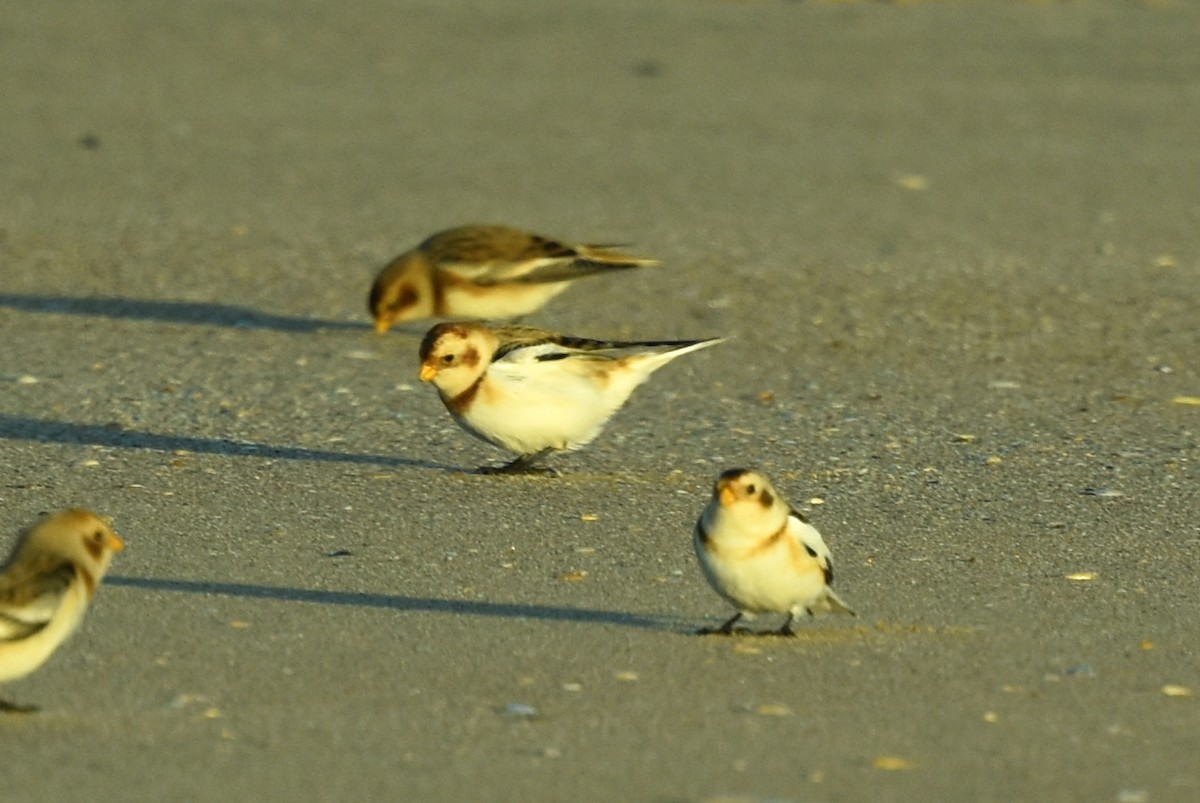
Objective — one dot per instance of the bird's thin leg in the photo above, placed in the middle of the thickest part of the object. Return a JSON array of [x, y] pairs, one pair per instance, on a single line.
[[525, 464], [786, 628], [724, 630]]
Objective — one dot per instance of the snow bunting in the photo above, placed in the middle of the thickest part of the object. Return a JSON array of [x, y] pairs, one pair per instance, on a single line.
[[46, 584], [484, 272], [761, 555], [533, 392]]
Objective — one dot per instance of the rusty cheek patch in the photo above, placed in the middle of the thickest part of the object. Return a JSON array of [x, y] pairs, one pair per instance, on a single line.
[[766, 499], [93, 546], [408, 296], [470, 357]]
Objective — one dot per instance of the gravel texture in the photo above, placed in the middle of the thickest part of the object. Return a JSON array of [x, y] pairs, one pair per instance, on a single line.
[[956, 248]]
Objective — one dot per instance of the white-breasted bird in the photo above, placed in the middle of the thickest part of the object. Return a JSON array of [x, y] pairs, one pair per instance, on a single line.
[[46, 585], [485, 272], [761, 555], [533, 392]]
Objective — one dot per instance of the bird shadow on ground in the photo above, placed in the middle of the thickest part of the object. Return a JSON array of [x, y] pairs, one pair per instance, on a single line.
[[33, 429], [188, 312], [396, 602]]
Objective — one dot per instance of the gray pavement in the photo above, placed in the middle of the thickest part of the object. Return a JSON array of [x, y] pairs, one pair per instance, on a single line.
[[957, 250]]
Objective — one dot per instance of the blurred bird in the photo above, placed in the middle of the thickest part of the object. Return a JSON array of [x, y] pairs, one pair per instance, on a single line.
[[761, 555], [485, 272], [46, 585], [533, 392]]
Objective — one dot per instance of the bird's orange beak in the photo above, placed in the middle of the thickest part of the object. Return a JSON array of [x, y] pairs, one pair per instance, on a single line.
[[428, 372], [726, 496], [382, 325], [115, 543]]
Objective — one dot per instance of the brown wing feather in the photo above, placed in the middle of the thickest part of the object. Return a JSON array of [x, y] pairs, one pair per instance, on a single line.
[[516, 337], [484, 244], [30, 592], [491, 255]]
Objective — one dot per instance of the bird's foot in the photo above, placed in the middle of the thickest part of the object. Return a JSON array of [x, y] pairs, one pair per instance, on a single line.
[[526, 464], [786, 628], [724, 630], [511, 470]]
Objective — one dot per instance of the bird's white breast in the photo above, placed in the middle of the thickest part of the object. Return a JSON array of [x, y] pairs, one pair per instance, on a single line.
[[756, 579]]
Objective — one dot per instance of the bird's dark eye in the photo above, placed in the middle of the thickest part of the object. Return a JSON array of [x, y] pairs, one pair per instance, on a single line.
[[98, 536], [751, 489], [447, 359]]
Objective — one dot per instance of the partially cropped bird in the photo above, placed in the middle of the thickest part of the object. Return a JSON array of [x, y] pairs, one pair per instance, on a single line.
[[485, 272], [46, 585], [533, 392], [761, 555]]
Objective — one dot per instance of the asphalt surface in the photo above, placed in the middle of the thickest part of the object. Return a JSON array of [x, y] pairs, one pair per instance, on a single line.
[[956, 248]]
